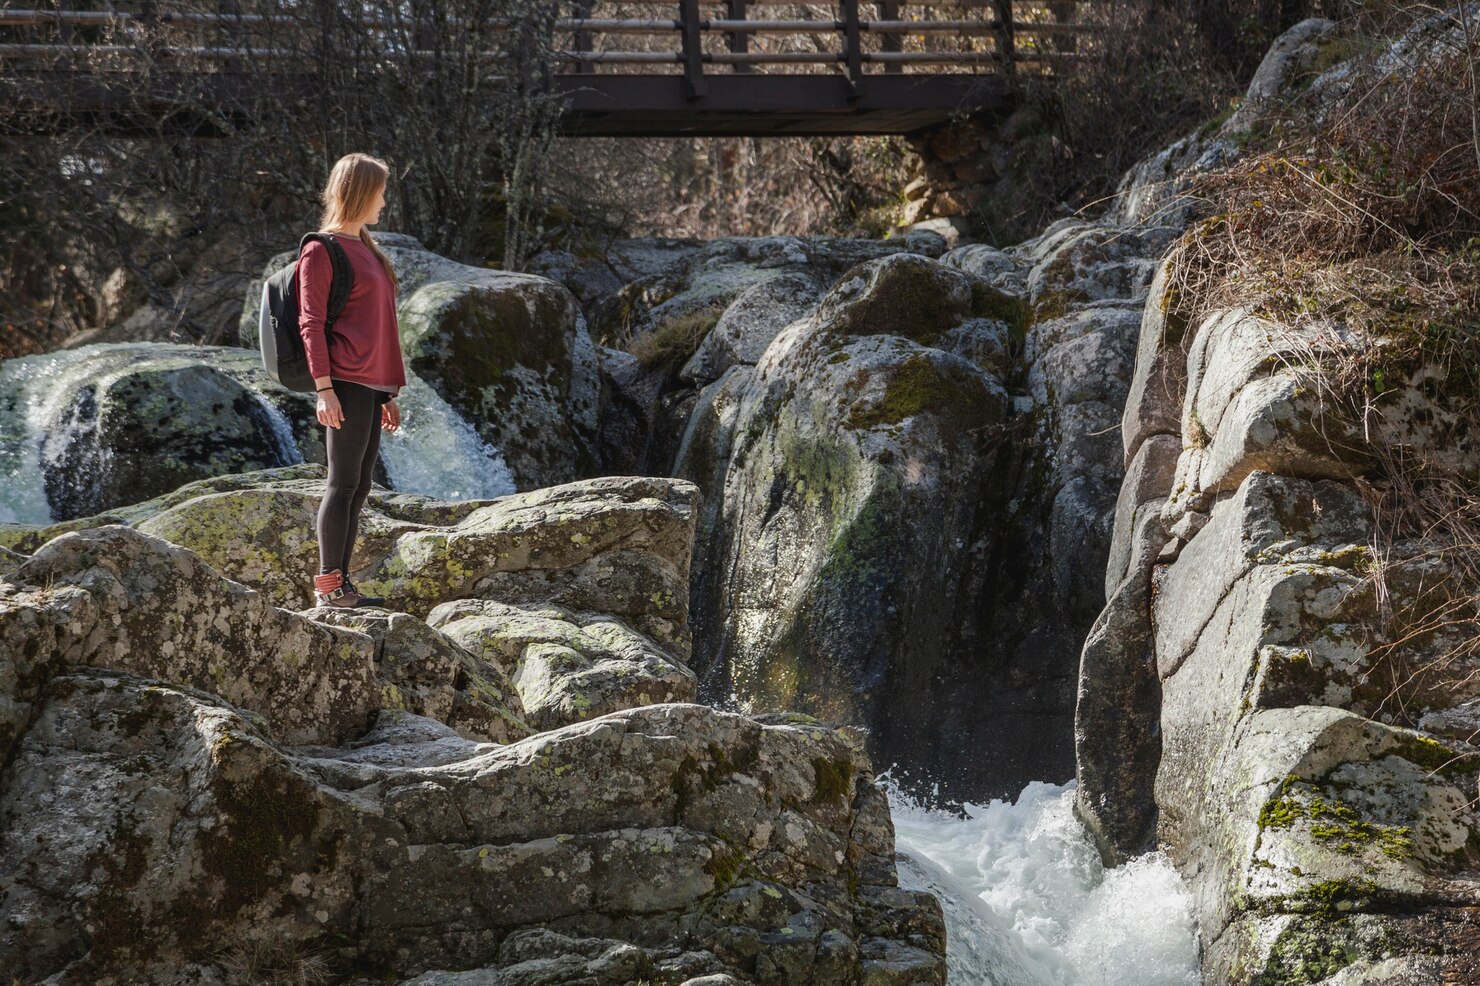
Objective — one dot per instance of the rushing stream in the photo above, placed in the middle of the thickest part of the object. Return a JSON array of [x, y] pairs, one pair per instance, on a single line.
[[1028, 903], [435, 452]]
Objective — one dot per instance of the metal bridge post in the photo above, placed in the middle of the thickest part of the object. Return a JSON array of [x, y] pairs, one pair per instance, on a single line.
[[852, 37], [739, 40], [693, 51], [889, 10]]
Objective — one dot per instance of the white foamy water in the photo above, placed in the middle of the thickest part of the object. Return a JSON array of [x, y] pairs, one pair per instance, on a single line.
[[285, 445], [33, 392], [1028, 903], [437, 453]]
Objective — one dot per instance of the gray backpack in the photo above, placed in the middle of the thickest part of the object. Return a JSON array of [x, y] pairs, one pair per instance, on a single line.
[[283, 355]]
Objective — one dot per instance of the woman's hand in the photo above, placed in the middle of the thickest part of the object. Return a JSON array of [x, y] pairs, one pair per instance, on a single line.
[[329, 411], [390, 415]]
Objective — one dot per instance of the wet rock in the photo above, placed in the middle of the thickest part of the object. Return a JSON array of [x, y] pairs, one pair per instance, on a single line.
[[107, 425]]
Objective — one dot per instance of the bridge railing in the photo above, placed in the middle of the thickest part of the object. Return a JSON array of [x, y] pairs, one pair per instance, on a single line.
[[695, 38]]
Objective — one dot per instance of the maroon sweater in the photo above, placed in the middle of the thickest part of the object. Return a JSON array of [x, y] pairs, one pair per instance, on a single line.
[[364, 345]]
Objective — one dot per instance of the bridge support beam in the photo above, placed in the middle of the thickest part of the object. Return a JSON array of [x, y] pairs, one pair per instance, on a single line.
[[759, 105]]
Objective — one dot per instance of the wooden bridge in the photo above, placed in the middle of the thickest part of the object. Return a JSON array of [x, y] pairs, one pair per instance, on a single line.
[[708, 67]]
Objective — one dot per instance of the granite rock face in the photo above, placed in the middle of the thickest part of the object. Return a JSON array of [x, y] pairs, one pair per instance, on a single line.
[[151, 832], [113, 597], [930, 454], [623, 542], [1241, 703], [200, 786]]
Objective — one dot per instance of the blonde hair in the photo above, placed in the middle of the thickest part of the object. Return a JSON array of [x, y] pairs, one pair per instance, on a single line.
[[353, 182]]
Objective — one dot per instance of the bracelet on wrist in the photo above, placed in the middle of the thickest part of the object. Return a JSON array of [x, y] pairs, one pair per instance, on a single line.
[[322, 389]]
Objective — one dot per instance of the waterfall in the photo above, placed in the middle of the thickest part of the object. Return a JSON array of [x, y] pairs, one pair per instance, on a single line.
[[1027, 901], [438, 453], [33, 391], [281, 429], [47, 414]]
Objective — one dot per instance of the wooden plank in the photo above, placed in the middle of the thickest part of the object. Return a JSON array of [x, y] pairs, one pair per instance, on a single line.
[[597, 105], [761, 105]]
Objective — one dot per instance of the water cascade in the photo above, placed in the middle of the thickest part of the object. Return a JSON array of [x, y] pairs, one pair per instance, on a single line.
[[51, 451], [1028, 903], [436, 451]]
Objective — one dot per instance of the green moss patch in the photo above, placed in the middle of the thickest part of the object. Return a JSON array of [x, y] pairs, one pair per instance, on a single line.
[[916, 385], [833, 779], [1333, 822], [1308, 952]]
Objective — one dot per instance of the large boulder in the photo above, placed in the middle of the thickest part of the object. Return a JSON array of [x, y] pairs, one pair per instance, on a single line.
[[508, 351], [619, 545], [113, 597], [1261, 696], [1275, 787], [958, 418], [749, 323], [152, 831], [716, 274], [851, 467]]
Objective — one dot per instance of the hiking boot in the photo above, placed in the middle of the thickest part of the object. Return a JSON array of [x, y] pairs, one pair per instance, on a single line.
[[364, 600], [333, 589]]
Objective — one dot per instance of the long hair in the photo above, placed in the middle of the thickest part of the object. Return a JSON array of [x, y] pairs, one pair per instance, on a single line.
[[351, 188]]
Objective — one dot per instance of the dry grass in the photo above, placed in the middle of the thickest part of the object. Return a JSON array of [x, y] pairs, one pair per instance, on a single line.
[[1366, 230], [673, 341], [257, 963]]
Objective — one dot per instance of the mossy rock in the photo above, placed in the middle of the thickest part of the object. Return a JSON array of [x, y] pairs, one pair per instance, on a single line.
[[902, 294]]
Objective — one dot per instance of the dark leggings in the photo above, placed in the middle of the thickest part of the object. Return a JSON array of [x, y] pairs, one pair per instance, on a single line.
[[352, 448]]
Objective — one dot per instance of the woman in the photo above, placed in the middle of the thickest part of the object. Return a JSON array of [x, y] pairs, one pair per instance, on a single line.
[[356, 365]]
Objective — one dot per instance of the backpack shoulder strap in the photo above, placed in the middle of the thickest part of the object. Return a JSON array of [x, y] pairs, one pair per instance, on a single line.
[[344, 274]]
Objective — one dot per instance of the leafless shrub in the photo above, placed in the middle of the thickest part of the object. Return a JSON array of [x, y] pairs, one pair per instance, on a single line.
[[673, 341], [133, 146], [731, 186]]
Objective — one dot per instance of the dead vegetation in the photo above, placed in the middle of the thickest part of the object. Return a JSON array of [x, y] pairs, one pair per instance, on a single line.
[[1363, 227], [673, 341], [216, 136]]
